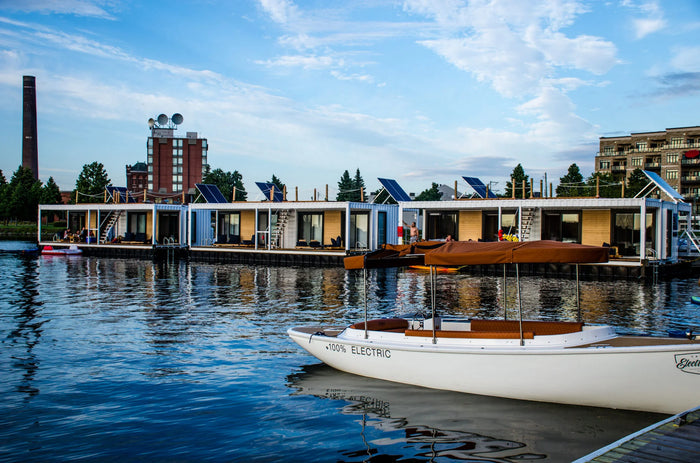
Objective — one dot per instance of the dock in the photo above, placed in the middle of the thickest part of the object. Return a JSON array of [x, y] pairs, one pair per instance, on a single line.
[[676, 439]]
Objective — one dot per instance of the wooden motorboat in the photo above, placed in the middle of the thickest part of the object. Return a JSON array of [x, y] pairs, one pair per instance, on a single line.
[[568, 362]]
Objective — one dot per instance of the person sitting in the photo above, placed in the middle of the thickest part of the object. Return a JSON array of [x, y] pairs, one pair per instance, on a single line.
[[83, 234], [66, 234], [448, 239]]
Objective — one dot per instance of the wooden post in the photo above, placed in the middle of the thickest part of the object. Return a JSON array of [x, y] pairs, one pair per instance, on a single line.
[[183, 196], [296, 193], [314, 194], [550, 190], [284, 192], [512, 184], [272, 194], [326, 192], [233, 196], [597, 187], [523, 188], [532, 190], [456, 190], [362, 195], [144, 194], [623, 190], [105, 196]]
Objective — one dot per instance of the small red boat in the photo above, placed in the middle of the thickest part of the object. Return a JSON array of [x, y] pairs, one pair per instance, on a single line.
[[73, 250]]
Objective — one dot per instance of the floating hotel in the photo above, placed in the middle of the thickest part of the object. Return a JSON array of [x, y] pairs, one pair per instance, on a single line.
[[323, 232]]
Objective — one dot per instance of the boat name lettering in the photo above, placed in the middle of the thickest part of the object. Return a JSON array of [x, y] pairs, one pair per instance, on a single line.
[[688, 363], [371, 351], [336, 347]]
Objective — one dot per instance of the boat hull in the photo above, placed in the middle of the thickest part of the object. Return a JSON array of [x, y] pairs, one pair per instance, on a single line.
[[662, 378]]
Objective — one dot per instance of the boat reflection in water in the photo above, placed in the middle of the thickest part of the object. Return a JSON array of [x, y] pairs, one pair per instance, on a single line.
[[400, 421]]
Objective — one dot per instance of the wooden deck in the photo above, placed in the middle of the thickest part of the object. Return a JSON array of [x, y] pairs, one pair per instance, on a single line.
[[676, 439]]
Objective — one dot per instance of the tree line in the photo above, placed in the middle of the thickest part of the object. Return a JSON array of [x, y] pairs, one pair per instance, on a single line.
[[20, 197]]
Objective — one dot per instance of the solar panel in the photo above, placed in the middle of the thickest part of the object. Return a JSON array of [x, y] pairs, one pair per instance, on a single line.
[[479, 187], [211, 193], [267, 187], [121, 191], [663, 186], [394, 189]]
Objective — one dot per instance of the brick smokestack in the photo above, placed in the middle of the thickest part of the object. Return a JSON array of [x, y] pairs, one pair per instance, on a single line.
[[30, 155]]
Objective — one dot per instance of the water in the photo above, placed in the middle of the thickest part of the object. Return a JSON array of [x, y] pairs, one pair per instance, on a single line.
[[113, 360]]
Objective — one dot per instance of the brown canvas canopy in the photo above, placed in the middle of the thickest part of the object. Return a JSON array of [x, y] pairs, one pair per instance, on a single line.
[[459, 253]]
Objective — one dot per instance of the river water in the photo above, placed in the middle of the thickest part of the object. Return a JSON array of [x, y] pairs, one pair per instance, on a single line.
[[114, 359]]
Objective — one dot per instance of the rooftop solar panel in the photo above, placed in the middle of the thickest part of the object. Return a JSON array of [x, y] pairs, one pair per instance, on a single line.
[[665, 187], [479, 187], [211, 193], [267, 187], [394, 189]]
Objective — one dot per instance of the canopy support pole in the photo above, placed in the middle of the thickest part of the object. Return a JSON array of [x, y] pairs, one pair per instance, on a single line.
[[520, 303], [505, 293], [578, 295], [364, 294], [433, 272]]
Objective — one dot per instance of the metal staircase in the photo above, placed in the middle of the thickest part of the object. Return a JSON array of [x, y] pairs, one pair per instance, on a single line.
[[277, 233], [108, 223], [528, 219]]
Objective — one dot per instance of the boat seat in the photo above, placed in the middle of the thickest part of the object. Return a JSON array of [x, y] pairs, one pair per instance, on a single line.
[[383, 324], [539, 328], [471, 334]]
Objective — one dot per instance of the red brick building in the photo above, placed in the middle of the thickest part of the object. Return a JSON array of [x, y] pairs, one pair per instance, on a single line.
[[174, 164]]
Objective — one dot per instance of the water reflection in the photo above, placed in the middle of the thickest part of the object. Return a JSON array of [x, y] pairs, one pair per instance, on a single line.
[[398, 420]]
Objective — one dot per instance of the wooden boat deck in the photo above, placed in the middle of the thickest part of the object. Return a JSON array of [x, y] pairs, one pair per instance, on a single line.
[[675, 439]]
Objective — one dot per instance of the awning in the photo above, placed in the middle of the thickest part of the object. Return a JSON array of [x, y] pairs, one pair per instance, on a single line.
[[690, 154]]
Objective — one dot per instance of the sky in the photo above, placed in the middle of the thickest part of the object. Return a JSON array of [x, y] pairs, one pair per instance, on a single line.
[[420, 91]]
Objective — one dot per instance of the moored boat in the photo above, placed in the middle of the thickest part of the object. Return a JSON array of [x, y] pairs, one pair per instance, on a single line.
[[73, 250], [567, 362]]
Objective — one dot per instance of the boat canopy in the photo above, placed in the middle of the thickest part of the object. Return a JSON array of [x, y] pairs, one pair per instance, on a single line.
[[458, 253]]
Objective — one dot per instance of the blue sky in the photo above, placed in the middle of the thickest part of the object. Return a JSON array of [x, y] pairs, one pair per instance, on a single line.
[[418, 90]]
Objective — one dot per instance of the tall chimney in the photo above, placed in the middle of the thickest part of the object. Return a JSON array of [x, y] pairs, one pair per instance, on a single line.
[[30, 156]]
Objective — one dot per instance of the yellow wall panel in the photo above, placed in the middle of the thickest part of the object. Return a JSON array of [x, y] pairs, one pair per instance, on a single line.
[[247, 224], [331, 226], [595, 226], [470, 225]]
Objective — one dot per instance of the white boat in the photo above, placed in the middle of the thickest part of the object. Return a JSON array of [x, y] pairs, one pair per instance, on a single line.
[[560, 361], [72, 250]]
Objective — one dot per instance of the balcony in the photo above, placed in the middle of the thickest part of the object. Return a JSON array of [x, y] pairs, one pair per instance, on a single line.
[[691, 179]]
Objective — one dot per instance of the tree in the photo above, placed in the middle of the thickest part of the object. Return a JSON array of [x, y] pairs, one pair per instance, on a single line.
[[345, 188], [50, 193], [91, 184], [279, 186], [571, 184], [226, 181], [431, 194], [607, 186], [4, 212], [359, 184], [22, 195], [636, 183], [518, 176]]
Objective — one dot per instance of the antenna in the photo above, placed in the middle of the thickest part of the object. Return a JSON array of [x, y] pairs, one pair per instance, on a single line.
[[162, 119], [177, 119]]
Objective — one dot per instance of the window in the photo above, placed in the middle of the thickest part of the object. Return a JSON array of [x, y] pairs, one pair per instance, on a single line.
[[605, 165], [150, 144], [381, 228], [441, 224], [137, 222], [608, 150], [671, 174], [310, 226], [562, 226], [641, 146], [672, 158], [676, 142], [637, 162], [359, 230], [626, 227], [690, 143]]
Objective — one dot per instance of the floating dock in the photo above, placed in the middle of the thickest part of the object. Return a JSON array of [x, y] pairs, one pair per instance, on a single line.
[[676, 439]]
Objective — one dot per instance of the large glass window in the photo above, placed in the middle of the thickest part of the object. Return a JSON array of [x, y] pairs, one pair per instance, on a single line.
[[137, 222], [626, 232], [359, 230], [310, 226], [562, 226], [441, 224], [381, 228], [230, 224]]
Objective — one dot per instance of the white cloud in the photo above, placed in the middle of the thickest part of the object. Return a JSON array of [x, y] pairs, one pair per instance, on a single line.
[[280, 11], [644, 27], [686, 59], [651, 20], [74, 7], [306, 62]]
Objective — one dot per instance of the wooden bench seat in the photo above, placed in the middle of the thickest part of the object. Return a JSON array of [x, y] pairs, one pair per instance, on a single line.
[[383, 324], [471, 334], [539, 328]]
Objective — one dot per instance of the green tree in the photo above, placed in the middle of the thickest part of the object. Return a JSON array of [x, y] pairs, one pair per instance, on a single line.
[[50, 193], [345, 188], [431, 194], [4, 212], [91, 184], [279, 186], [635, 183], [518, 176], [608, 187], [22, 195], [226, 181], [359, 187], [571, 184]]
